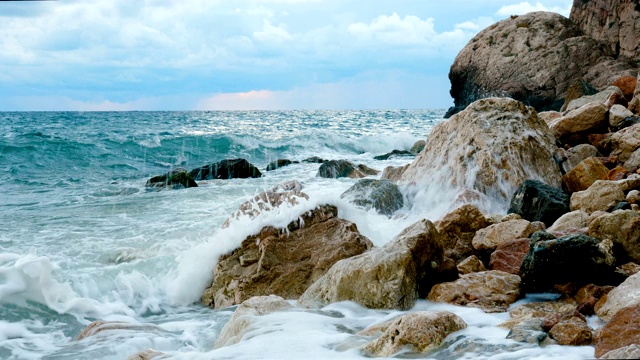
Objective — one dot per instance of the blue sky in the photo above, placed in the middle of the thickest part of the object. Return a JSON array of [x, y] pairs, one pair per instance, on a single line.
[[238, 55]]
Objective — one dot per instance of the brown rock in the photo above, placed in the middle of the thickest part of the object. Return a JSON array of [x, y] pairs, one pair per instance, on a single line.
[[282, 262], [623, 228], [607, 97], [390, 277], [602, 142], [533, 58], [570, 221], [634, 160], [584, 175], [549, 116], [419, 331], [616, 23], [508, 256], [573, 332], [588, 296], [627, 84], [100, 325], [626, 294], [490, 237], [617, 114], [577, 90], [577, 154], [470, 265], [625, 142], [542, 309], [492, 291], [633, 197], [602, 195], [492, 147], [628, 269], [552, 320], [617, 173], [627, 352], [574, 126], [630, 183], [393, 173], [146, 355], [622, 330], [457, 230]]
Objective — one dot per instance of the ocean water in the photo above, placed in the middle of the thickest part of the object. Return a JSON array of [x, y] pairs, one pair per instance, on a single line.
[[82, 239]]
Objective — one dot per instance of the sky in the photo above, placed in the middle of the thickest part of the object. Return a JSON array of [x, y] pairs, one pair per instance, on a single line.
[[99, 55]]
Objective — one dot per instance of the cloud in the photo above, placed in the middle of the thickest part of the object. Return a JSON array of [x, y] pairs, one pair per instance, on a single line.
[[274, 34], [526, 7]]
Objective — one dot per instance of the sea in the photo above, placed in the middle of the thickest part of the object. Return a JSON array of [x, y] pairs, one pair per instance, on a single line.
[[83, 239]]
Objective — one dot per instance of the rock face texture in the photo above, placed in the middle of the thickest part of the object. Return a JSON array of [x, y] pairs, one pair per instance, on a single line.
[[389, 277], [533, 58], [623, 228], [627, 294], [226, 169], [622, 330], [537, 201], [419, 331], [615, 22], [382, 195], [492, 147], [176, 179], [285, 263]]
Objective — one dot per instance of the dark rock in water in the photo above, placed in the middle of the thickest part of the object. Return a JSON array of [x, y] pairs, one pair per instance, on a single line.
[[176, 179], [417, 147], [382, 195], [227, 169], [314, 160], [334, 169], [279, 163], [394, 153], [537, 201], [573, 258]]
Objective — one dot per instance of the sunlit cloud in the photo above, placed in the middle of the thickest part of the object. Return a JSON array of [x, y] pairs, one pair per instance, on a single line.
[[526, 7]]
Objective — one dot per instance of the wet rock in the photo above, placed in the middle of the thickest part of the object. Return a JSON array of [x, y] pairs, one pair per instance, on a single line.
[[623, 329], [570, 221], [458, 229], [288, 192], [390, 277], [285, 262], [626, 294], [394, 154], [334, 169], [175, 179], [276, 164], [602, 195], [551, 320], [314, 160], [528, 331], [99, 326], [492, 236], [509, 255], [533, 58], [393, 173], [226, 169], [492, 291], [577, 154], [470, 265], [574, 332], [573, 258], [242, 317], [626, 352], [617, 114], [583, 175], [491, 147], [600, 97], [420, 331], [537, 201], [146, 355], [574, 126], [382, 195], [625, 142], [417, 147], [623, 228], [538, 310]]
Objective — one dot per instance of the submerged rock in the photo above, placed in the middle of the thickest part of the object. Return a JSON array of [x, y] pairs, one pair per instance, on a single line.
[[146, 355], [276, 164], [226, 169], [382, 195], [528, 331], [537, 201], [175, 179], [492, 147], [420, 331], [99, 326], [389, 277], [394, 153], [285, 262], [334, 169]]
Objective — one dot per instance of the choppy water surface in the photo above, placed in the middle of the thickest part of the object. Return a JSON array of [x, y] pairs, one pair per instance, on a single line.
[[82, 239]]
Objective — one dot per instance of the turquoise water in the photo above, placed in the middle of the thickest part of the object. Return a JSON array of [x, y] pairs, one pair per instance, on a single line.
[[82, 239]]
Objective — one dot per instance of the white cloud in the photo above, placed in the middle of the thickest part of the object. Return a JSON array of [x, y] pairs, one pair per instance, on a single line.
[[274, 34], [396, 30], [526, 7]]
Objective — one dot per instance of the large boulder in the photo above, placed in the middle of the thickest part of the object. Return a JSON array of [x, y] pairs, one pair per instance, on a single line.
[[226, 169], [333, 169], [244, 314], [390, 277], [623, 329], [574, 126], [382, 195], [419, 331], [615, 22], [276, 164], [491, 291], [537, 201], [175, 179], [533, 58], [491, 147], [626, 294], [285, 262], [601, 195], [623, 228], [573, 258]]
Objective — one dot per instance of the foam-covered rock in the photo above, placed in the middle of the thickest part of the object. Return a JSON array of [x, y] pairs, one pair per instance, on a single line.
[[382, 195]]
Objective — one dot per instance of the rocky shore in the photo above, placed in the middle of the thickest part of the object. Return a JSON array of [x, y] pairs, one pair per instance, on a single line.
[[570, 181]]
